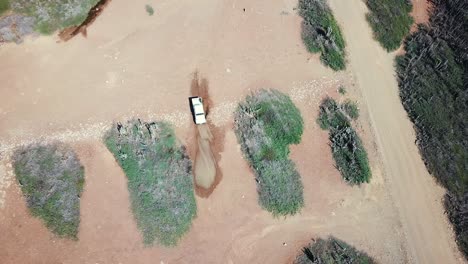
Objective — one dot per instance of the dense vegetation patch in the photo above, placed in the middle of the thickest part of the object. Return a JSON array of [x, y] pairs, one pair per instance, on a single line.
[[390, 21], [159, 175], [51, 178], [332, 250], [266, 123], [347, 149], [4, 6], [321, 33], [51, 15], [433, 81]]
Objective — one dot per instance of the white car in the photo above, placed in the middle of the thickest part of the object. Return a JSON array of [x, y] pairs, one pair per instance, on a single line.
[[196, 107]]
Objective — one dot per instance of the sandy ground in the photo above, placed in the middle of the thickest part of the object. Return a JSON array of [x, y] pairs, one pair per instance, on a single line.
[[143, 67]]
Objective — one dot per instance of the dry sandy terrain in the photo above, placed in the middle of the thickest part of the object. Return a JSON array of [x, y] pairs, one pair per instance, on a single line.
[[134, 65]]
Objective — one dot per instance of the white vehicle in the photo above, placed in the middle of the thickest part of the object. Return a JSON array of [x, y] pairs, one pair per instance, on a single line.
[[196, 107]]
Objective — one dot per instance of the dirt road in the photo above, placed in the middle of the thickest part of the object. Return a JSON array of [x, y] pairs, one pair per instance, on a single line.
[[428, 238]]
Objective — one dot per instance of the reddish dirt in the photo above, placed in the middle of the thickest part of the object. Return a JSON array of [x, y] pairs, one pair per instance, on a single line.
[[420, 13], [141, 67]]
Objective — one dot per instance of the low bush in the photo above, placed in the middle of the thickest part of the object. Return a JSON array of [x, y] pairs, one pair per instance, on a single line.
[[390, 21], [266, 123], [4, 6], [321, 33], [160, 181], [351, 109], [347, 149], [52, 15], [342, 90], [149, 10], [51, 178], [332, 250]]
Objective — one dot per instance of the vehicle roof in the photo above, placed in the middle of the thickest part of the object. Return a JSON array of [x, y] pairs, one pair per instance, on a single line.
[[198, 108]]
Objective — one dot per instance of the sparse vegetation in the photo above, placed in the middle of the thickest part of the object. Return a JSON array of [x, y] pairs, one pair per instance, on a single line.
[[52, 15], [51, 179], [321, 33], [266, 123], [351, 109], [332, 250], [342, 90], [159, 175], [149, 10], [347, 149], [390, 20], [433, 84]]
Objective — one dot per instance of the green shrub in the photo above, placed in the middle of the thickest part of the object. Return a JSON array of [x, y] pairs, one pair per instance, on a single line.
[[4, 6], [347, 149], [390, 21], [332, 250], [432, 76], [159, 175], [351, 109], [149, 10], [52, 15], [51, 178], [342, 90], [266, 123], [321, 33]]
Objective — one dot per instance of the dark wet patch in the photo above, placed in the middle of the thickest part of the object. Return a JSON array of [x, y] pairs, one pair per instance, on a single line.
[[200, 87], [70, 32]]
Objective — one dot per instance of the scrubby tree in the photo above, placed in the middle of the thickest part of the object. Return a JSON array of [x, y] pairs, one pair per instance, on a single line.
[[321, 33], [390, 21], [266, 123], [331, 250], [347, 149], [51, 179], [159, 175]]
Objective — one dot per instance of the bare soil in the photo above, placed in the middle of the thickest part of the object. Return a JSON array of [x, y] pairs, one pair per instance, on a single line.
[[140, 67]]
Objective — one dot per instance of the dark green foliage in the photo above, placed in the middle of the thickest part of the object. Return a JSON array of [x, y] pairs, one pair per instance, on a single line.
[[51, 178], [321, 33], [266, 123], [331, 251], [351, 109], [4, 6], [149, 10], [347, 149], [342, 90], [390, 20], [52, 15], [433, 80], [159, 175]]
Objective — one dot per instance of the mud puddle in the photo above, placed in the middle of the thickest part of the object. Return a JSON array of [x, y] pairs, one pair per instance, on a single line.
[[207, 144], [70, 32]]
